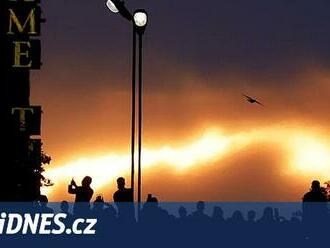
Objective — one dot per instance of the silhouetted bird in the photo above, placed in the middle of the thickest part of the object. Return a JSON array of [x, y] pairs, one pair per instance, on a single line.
[[252, 100]]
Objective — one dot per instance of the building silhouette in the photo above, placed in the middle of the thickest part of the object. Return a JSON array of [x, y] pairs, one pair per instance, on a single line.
[[21, 153]]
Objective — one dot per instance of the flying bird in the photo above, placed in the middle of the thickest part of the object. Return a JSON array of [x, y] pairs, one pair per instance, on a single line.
[[252, 100]]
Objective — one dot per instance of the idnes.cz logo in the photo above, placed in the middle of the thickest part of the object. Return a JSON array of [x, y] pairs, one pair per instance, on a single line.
[[46, 224]]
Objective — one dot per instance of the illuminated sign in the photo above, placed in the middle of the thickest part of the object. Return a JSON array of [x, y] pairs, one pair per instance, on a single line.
[[21, 23], [27, 119]]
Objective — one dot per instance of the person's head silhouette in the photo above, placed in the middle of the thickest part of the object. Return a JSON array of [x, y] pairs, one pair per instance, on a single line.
[[151, 201], [200, 206], [86, 182], [237, 216], [316, 185], [217, 212], [98, 203], [99, 199], [43, 200], [154, 201], [268, 214], [251, 216], [182, 212], [121, 183], [65, 206]]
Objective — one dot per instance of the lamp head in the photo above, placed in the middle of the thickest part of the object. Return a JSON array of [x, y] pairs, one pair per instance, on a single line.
[[118, 6], [140, 18], [110, 4]]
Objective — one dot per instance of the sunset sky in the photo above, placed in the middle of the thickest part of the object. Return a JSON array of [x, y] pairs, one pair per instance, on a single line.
[[201, 139]]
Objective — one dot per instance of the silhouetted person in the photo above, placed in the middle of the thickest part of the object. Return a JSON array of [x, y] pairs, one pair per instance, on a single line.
[[65, 209], [295, 220], [110, 212], [267, 216], [83, 194], [99, 212], [236, 218], [199, 215], [107, 217], [251, 216], [123, 199], [315, 206], [183, 218], [122, 194], [217, 215], [316, 194], [278, 217], [152, 213], [98, 205], [183, 215], [43, 201]]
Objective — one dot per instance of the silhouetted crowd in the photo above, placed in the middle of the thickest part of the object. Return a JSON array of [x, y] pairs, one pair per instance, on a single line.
[[306, 223]]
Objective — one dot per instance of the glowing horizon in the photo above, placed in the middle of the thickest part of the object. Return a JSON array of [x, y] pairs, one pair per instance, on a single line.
[[307, 154]]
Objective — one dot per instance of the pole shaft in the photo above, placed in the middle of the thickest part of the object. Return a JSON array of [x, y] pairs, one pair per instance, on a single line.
[[133, 110], [140, 120]]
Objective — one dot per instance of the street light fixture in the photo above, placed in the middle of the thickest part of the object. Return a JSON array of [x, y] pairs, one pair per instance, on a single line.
[[139, 21], [119, 6], [140, 18], [112, 6]]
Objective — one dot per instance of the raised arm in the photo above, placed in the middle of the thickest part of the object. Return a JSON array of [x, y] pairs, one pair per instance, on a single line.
[[72, 189]]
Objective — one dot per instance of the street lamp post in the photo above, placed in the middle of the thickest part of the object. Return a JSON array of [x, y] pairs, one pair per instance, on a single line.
[[118, 6], [139, 20]]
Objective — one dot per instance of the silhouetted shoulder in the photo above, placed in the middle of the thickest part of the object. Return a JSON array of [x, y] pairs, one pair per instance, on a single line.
[[314, 197], [123, 195]]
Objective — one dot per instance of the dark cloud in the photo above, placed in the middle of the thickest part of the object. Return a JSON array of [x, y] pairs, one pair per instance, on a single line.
[[270, 40]]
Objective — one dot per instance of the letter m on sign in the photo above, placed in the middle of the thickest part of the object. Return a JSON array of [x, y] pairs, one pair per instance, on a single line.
[[24, 18]]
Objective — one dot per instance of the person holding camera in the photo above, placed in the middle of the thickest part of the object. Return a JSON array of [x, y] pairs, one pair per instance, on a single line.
[[83, 194]]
